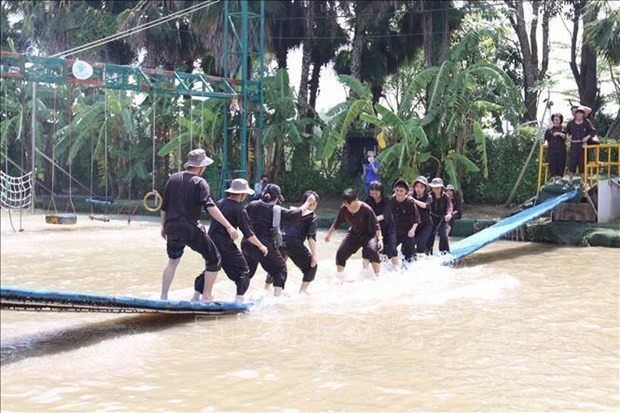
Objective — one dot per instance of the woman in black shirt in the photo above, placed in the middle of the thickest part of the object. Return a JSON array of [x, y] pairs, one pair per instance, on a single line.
[[555, 142]]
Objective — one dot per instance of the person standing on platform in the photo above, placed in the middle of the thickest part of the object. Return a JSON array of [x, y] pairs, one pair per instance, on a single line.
[[364, 233], [423, 200], [406, 218], [555, 142], [293, 237], [233, 262], [380, 205], [455, 198], [371, 170], [185, 194], [579, 131], [441, 214]]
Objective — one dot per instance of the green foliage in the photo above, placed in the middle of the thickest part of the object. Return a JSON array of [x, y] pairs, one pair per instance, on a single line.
[[506, 158]]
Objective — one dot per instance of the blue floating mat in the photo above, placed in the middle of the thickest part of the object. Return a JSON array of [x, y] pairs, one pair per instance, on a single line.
[[43, 300], [472, 244]]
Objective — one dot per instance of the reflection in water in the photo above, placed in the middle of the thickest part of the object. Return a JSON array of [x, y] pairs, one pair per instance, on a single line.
[[73, 337], [519, 326]]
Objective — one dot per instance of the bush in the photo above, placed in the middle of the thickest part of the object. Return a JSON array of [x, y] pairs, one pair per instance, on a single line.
[[506, 157]]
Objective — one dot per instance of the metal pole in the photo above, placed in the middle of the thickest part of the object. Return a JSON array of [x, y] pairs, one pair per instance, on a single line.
[[224, 169], [33, 127], [261, 93], [245, 84]]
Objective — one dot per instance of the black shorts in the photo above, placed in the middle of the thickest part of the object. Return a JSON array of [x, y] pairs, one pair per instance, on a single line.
[[198, 240]]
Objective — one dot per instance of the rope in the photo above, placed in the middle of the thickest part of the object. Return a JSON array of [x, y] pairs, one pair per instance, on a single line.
[[153, 133], [15, 193], [191, 125], [105, 148], [70, 137], [53, 193]]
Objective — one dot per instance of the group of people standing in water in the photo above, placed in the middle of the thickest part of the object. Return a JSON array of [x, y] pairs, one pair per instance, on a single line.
[[411, 218], [578, 132]]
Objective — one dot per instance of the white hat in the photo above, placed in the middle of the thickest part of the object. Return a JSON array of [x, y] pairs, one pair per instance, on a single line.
[[240, 186], [197, 159], [437, 183]]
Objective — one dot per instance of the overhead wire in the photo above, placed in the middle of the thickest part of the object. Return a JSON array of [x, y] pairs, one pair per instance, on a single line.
[[134, 30]]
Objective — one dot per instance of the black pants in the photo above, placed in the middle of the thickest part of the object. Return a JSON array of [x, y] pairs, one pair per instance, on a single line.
[[300, 255], [439, 227], [388, 230], [179, 236], [557, 162], [233, 264], [408, 246], [422, 234], [352, 243], [273, 262], [575, 159]]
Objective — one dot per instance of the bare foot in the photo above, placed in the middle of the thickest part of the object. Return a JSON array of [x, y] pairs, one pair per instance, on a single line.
[[195, 297], [206, 299]]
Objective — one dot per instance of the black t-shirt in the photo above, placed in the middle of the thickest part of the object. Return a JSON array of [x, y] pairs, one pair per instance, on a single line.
[[405, 214], [261, 217], [425, 213], [380, 208], [363, 222], [579, 131], [185, 194], [441, 205], [302, 230], [556, 143], [236, 215]]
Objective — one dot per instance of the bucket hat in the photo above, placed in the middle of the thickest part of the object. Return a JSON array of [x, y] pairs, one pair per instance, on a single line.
[[240, 186], [197, 158]]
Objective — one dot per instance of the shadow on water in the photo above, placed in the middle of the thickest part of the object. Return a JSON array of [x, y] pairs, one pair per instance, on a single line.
[[71, 338], [504, 254]]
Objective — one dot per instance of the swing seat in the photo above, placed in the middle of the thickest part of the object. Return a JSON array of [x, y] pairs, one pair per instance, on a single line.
[[102, 218], [99, 201], [61, 219]]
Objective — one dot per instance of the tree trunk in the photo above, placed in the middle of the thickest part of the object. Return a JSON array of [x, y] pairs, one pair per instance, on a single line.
[[357, 47], [302, 97], [528, 54], [585, 75], [314, 85]]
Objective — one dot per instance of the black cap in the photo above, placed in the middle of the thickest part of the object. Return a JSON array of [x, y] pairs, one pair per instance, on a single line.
[[274, 192]]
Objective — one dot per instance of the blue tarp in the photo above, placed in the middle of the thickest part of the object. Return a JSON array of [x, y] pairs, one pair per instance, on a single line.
[[24, 299], [472, 244]]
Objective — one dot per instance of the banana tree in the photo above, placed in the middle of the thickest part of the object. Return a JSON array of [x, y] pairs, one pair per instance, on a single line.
[[407, 142]]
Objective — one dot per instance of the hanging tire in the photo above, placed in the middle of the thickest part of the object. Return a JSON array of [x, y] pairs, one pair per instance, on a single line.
[[157, 198]]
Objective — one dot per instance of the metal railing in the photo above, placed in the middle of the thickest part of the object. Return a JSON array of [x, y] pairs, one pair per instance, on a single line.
[[598, 159]]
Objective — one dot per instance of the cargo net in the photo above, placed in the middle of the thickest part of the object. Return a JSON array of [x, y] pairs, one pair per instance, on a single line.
[[15, 192]]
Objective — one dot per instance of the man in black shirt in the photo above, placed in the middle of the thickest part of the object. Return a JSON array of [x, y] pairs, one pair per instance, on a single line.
[[185, 194], [406, 217], [233, 262], [364, 233], [580, 131]]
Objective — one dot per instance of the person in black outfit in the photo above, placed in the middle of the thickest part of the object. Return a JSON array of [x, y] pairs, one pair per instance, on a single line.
[[455, 198], [233, 262], [293, 237], [423, 200], [580, 131], [364, 233], [555, 142], [380, 204], [266, 216], [406, 218], [185, 194], [441, 214]]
